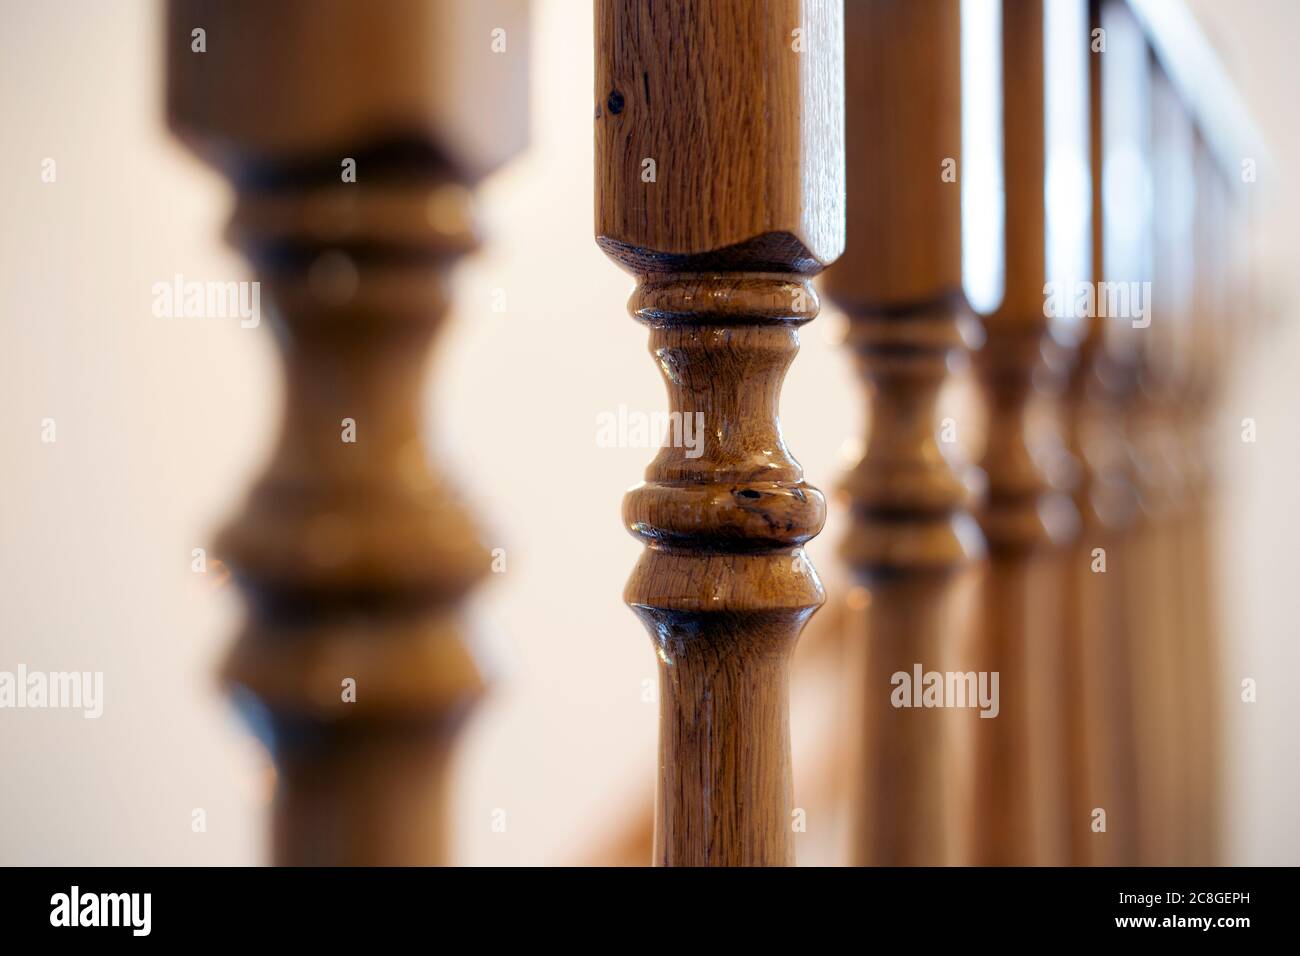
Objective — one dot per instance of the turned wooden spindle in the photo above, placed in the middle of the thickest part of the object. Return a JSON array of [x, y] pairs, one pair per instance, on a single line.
[[719, 185], [1019, 800], [1162, 616], [900, 281], [1210, 352], [354, 555], [1125, 469], [1101, 761]]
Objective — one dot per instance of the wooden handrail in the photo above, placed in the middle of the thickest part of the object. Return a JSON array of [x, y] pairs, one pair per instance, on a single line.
[[1208, 95]]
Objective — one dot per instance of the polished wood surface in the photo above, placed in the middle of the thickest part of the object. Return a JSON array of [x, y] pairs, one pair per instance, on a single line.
[[741, 111], [1100, 759], [1162, 615], [1018, 812], [353, 552], [727, 177], [1206, 692], [900, 282]]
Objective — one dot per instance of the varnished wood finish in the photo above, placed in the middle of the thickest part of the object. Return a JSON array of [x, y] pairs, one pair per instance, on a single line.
[[354, 556], [746, 132], [1162, 615], [1154, 624], [1101, 762], [900, 282], [1210, 351], [1019, 803]]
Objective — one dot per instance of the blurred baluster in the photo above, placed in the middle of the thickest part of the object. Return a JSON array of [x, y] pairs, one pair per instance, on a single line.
[[1101, 757], [900, 281], [719, 184], [1127, 234], [1211, 351], [354, 555], [1161, 611], [1020, 814]]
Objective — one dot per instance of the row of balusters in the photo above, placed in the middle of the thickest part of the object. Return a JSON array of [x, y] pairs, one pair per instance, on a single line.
[[1087, 540], [1092, 559]]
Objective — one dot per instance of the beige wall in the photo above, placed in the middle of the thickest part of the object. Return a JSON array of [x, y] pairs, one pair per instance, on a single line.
[[1260, 524], [161, 423]]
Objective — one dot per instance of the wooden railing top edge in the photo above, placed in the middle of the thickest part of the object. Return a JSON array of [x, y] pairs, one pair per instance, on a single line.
[[1199, 75]]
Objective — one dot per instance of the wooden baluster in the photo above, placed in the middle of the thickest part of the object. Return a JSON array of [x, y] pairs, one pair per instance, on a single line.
[[1019, 813], [1102, 761], [719, 184], [1125, 470], [1147, 624], [1162, 616], [1085, 614], [1202, 711], [900, 281], [1222, 327], [354, 555]]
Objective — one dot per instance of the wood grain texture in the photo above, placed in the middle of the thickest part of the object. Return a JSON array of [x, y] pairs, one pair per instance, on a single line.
[[743, 119], [354, 556], [817, 664], [899, 281], [747, 134], [1019, 806]]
